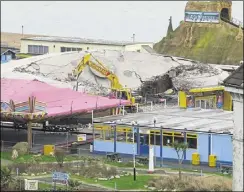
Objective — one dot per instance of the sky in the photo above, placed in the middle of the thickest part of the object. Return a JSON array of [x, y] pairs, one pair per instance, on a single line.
[[109, 20]]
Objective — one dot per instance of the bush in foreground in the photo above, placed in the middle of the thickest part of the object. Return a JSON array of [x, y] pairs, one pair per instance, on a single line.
[[22, 148], [191, 183]]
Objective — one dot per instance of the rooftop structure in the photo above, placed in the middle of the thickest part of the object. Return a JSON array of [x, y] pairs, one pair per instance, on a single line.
[[197, 120], [83, 40]]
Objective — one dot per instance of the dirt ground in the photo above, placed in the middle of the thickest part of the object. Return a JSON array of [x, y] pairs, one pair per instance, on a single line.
[[13, 39]]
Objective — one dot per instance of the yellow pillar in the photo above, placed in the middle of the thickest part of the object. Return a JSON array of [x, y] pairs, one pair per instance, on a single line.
[[29, 134]]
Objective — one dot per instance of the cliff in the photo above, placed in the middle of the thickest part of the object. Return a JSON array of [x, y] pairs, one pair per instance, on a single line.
[[208, 43]]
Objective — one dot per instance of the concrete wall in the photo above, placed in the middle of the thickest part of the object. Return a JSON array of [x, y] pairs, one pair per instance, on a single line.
[[55, 47], [238, 143], [222, 148]]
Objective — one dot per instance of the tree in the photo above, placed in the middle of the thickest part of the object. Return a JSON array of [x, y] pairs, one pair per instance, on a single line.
[[180, 148], [59, 155], [170, 28]]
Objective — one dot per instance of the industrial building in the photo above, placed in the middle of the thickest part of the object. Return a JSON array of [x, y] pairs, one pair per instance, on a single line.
[[208, 133], [234, 84], [43, 45]]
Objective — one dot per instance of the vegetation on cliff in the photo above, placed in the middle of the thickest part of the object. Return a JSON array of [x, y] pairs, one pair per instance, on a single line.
[[208, 43]]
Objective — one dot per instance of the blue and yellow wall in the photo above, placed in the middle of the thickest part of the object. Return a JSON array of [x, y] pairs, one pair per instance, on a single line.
[[204, 144]]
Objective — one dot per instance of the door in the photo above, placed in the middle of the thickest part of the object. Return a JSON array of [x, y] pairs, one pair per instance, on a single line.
[[144, 147]]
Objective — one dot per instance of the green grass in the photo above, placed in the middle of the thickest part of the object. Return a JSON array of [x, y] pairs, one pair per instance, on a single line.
[[28, 158], [23, 55], [123, 183]]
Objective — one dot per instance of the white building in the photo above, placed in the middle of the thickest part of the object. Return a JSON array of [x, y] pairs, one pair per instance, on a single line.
[[234, 84], [43, 45]]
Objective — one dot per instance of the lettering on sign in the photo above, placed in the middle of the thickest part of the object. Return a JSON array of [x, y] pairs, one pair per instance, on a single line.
[[60, 177], [31, 185], [100, 69], [202, 17]]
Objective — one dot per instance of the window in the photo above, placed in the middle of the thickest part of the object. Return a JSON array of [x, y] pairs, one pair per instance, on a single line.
[[74, 49], [192, 141], [37, 49], [79, 49], [167, 138], [121, 134], [62, 49], [179, 137], [155, 138], [68, 49], [87, 48]]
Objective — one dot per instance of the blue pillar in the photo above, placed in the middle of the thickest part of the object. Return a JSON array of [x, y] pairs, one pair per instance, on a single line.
[[209, 144], [138, 140], [115, 138], [161, 147], [185, 142]]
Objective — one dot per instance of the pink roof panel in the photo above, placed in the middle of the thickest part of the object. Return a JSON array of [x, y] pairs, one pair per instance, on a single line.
[[60, 101]]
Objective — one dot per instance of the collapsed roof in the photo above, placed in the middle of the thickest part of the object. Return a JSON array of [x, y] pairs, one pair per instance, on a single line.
[[130, 67]]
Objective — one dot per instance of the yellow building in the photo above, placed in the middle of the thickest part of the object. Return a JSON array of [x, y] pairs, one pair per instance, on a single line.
[[206, 98], [43, 45]]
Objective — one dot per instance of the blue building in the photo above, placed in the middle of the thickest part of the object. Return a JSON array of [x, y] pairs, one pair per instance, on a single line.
[[7, 55], [207, 132]]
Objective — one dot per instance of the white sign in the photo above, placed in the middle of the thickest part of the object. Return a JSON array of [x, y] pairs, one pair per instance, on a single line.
[[201, 17], [81, 137], [31, 185], [60, 177], [151, 160]]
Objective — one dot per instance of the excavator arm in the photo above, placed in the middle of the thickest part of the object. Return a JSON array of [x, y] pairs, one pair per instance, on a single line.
[[115, 84]]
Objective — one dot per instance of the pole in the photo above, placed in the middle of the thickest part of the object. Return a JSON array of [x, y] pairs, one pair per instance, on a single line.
[[29, 134], [67, 140], [134, 156], [93, 132], [137, 107], [151, 105], [22, 30]]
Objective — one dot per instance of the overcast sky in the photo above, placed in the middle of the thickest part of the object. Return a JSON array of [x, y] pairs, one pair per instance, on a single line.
[[99, 20]]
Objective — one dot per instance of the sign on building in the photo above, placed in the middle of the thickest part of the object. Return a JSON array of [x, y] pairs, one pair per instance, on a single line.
[[60, 177], [81, 137], [31, 185], [202, 17]]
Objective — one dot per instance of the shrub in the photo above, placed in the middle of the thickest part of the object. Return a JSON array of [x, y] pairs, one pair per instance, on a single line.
[[190, 183], [59, 154], [22, 148]]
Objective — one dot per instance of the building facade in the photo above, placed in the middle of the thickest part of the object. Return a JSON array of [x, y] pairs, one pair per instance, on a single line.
[[43, 45], [234, 84], [7, 55], [209, 136]]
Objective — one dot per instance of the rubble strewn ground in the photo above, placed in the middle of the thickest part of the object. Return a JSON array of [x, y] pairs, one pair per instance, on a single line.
[[130, 67]]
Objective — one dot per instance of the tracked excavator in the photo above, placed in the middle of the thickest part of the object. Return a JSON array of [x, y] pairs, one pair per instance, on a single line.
[[117, 90]]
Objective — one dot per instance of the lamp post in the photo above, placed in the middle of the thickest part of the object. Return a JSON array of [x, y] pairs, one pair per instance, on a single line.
[[134, 155], [154, 142]]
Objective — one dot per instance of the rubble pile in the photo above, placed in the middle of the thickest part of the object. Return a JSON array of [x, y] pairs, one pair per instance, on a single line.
[[151, 73]]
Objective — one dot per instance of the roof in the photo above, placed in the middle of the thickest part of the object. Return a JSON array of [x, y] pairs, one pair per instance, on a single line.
[[198, 120], [4, 50], [83, 40], [60, 101], [235, 79]]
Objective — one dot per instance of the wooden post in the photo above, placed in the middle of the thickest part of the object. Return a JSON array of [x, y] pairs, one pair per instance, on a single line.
[[29, 134]]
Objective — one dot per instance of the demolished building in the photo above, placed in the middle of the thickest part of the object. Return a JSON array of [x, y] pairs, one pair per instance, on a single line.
[[138, 71]]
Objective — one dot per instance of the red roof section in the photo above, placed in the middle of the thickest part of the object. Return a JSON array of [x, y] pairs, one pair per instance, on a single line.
[[60, 101]]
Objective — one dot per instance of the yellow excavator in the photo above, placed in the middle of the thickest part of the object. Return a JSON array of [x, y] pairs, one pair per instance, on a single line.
[[117, 90]]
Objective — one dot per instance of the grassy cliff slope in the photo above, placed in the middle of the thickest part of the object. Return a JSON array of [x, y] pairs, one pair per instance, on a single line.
[[208, 43]]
